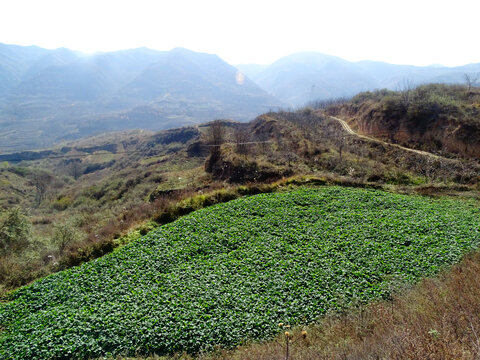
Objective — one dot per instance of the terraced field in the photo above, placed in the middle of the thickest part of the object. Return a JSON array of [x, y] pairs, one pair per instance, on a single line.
[[232, 272]]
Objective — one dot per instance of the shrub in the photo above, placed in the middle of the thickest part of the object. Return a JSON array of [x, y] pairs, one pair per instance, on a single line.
[[65, 234], [62, 203], [15, 232], [393, 106]]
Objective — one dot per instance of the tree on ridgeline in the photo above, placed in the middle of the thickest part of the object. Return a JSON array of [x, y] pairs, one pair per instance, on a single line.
[[215, 138]]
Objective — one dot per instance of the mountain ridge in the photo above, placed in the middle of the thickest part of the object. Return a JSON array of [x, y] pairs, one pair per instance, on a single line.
[[50, 96], [61, 94], [307, 76]]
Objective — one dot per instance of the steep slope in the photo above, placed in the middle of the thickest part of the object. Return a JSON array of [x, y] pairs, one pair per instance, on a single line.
[[66, 76], [192, 80], [108, 184], [303, 77]]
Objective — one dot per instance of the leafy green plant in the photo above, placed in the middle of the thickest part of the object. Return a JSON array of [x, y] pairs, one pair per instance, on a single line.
[[231, 272]]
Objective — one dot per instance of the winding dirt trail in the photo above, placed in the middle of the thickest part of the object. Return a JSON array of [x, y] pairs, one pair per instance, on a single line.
[[349, 130]]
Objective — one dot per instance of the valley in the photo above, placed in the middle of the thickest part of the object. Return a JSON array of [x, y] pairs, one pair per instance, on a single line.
[[196, 241]]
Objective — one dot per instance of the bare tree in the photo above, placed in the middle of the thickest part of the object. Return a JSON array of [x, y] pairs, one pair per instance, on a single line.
[[75, 168], [241, 137], [264, 142], [286, 149], [340, 143], [215, 138], [470, 80], [216, 133], [41, 181], [405, 90]]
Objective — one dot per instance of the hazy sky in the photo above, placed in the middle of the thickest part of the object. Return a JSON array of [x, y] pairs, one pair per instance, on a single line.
[[419, 32]]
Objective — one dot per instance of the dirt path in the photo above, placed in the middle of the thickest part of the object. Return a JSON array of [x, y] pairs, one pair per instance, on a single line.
[[349, 130]]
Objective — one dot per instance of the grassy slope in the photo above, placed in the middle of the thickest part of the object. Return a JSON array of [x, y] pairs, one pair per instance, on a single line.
[[100, 205], [233, 271], [123, 171]]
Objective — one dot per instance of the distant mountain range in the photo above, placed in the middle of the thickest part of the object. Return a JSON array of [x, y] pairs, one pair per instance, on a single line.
[[48, 96], [303, 77]]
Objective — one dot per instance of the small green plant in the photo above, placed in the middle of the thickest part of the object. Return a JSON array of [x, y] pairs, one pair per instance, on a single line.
[[434, 333]]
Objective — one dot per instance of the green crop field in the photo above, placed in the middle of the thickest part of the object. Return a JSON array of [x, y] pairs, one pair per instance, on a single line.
[[232, 272]]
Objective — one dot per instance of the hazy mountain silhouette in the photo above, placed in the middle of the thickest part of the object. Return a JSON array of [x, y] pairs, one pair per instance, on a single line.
[[302, 77], [14, 63], [251, 70], [47, 96], [51, 95]]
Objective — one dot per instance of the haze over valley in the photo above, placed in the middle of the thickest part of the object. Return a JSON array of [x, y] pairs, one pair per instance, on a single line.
[[50, 96], [308, 76]]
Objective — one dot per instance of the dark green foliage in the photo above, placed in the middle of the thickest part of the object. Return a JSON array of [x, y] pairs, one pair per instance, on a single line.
[[19, 170], [231, 272], [393, 106], [15, 231], [96, 166], [431, 102], [421, 106]]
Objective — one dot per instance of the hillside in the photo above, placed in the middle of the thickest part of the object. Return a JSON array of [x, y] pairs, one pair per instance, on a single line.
[[49, 96], [444, 119], [303, 77], [102, 188], [67, 205], [270, 263], [95, 190]]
